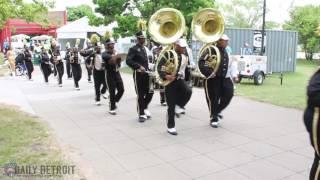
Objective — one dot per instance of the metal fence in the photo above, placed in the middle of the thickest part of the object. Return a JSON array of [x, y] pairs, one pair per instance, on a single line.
[[280, 47]]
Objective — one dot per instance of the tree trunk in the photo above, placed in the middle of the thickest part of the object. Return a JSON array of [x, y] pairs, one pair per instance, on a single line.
[[309, 55]]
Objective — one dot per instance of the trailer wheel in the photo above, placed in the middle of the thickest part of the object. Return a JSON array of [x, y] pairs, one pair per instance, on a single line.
[[258, 78]]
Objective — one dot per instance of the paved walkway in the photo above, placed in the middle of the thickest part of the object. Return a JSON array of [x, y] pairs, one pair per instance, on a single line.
[[256, 141]]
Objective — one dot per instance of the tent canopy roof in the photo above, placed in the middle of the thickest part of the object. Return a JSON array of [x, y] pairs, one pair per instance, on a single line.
[[82, 26]]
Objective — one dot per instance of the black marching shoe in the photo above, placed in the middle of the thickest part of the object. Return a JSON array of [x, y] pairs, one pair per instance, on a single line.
[[113, 112], [214, 123]]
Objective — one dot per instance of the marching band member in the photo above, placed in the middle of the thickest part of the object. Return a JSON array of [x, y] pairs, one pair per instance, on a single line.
[[45, 64], [177, 93], [28, 61], [311, 121], [137, 59], [67, 58], [75, 65], [114, 81], [95, 55], [218, 86], [56, 60], [88, 61]]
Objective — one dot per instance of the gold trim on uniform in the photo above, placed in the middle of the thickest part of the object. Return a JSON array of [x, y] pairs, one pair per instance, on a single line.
[[136, 87], [315, 130], [207, 95]]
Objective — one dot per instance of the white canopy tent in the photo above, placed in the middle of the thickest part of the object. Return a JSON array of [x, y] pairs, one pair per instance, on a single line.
[[79, 29]]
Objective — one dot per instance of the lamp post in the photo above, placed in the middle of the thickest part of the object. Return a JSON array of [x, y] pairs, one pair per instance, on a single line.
[[263, 27]]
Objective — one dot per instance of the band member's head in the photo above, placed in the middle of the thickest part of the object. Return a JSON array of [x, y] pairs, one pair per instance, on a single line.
[[180, 46], [109, 44], [77, 42], [43, 49], [98, 49], [141, 37], [68, 45], [88, 43], [53, 42], [223, 41]]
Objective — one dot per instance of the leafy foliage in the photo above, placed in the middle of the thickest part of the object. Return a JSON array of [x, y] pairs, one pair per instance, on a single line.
[[123, 11], [245, 14], [306, 20], [36, 11], [78, 12]]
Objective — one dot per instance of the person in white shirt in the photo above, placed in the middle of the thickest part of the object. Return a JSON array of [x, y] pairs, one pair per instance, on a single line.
[[177, 92]]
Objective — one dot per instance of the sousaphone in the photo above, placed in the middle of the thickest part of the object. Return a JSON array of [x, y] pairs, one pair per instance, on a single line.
[[208, 27], [165, 27]]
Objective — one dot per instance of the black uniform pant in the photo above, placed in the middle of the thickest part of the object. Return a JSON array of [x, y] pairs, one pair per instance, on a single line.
[[89, 71], [219, 92], [69, 70], [177, 93], [29, 66], [60, 71], [162, 95], [46, 71], [114, 82], [77, 73], [142, 87], [311, 121], [99, 80]]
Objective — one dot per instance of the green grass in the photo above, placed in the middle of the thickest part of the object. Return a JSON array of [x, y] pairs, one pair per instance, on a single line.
[[24, 140], [291, 94]]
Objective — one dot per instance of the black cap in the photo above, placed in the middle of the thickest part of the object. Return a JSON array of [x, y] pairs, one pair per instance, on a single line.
[[140, 34]]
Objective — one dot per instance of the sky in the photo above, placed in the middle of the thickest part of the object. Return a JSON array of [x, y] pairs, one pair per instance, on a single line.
[[279, 9]]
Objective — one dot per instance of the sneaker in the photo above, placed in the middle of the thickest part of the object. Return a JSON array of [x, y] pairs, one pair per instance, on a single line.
[[179, 110], [112, 112], [98, 103], [89, 81], [60, 85], [163, 104], [77, 88], [214, 124], [47, 83], [172, 131], [147, 113], [105, 96], [183, 110], [69, 78], [142, 118]]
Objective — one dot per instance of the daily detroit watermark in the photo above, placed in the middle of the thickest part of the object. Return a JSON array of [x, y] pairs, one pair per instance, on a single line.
[[13, 169]]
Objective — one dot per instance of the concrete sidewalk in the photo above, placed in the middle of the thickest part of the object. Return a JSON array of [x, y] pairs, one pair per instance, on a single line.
[[256, 141]]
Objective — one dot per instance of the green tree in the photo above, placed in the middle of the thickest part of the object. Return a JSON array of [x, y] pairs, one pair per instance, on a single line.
[[305, 20], [122, 11], [36, 11], [78, 12], [245, 14]]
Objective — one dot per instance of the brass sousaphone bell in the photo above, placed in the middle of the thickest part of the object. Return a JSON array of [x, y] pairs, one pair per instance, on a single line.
[[165, 27], [208, 27]]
